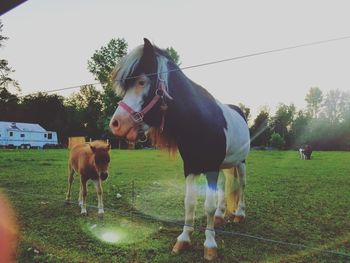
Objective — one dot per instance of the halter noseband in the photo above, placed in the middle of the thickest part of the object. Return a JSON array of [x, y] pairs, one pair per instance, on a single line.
[[137, 116]]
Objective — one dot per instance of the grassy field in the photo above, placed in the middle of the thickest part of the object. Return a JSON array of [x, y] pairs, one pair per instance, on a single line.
[[304, 202]]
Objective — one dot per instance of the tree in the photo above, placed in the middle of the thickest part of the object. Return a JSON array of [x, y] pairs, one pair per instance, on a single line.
[[5, 69], [314, 101], [299, 131], [104, 60], [282, 121], [174, 55], [260, 132], [277, 141], [101, 64], [335, 105], [88, 105], [47, 110], [9, 108], [245, 110]]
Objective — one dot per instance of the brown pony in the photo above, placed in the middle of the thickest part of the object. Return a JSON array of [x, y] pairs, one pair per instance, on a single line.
[[90, 161]]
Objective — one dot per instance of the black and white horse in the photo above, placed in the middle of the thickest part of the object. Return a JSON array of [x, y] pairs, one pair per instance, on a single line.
[[178, 113]]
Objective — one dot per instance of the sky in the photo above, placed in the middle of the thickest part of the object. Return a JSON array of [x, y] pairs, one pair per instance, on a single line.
[[50, 43]]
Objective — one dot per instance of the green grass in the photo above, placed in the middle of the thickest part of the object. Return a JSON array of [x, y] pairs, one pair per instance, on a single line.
[[304, 202]]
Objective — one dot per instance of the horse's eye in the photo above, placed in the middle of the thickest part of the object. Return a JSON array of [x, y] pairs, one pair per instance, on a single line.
[[141, 82]]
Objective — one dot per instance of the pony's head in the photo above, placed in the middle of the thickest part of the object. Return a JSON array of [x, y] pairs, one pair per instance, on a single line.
[[101, 157], [142, 78]]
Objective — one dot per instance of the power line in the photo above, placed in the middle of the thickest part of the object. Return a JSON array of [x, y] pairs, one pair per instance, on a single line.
[[320, 42]]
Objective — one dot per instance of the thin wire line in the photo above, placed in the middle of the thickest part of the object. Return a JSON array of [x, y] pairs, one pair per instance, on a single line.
[[213, 62], [219, 231]]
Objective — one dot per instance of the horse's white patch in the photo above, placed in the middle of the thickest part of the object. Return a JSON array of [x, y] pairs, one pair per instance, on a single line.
[[237, 137], [190, 205]]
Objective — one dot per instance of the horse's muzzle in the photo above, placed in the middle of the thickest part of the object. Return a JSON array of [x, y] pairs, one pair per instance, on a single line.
[[103, 176]]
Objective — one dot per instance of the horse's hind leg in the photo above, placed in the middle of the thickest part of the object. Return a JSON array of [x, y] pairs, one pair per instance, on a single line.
[[232, 191], [210, 246], [240, 211], [99, 191], [220, 210], [70, 182]]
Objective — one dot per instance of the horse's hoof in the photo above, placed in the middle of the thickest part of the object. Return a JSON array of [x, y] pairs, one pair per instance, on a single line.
[[180, 246], [230, 217], [67, 202], [210, 254], [83, 212], [219, 221], [100, 215], [239, 219]]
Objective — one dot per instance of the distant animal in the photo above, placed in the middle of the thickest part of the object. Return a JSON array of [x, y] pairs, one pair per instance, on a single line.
[[305, 152], [179, 114], [90, 161]]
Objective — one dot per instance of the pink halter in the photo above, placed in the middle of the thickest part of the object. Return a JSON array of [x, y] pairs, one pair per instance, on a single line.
[[137, 117]]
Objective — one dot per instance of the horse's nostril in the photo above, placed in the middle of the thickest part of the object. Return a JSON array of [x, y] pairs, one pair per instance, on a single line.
[[115, 123]]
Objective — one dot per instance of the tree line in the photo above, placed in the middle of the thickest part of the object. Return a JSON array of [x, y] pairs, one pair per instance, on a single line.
[[324, 123]]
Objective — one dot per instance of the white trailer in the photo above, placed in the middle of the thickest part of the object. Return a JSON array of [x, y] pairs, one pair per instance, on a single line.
[[25, 135]]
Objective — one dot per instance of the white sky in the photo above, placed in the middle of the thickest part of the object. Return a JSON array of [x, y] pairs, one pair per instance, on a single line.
[[51, 41]]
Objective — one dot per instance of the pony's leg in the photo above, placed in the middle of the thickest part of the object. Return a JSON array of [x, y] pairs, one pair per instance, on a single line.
[[80, 200], [98, 188], [210, 246], [70, 182], [220, 210], [240, 211], [83, 195], [183, 240]]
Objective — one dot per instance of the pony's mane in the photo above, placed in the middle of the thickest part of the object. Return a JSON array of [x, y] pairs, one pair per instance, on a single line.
[[125, 69], [99, 144]]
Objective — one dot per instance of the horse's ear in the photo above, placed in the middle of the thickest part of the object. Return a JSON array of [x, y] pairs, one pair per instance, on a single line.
[[149, 57], [93, 149]]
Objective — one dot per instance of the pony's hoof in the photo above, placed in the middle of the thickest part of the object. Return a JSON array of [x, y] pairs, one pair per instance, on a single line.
[[210, 254], [67, 202], [83, 212], [239, 219], [180, 246], [219, 221]]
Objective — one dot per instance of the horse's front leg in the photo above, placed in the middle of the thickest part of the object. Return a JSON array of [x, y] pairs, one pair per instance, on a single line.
[[183, 240], [99, 191], [210, 246]]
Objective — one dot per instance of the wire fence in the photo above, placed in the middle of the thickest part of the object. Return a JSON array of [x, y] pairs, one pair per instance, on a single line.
[[135, 214], [314, 43]]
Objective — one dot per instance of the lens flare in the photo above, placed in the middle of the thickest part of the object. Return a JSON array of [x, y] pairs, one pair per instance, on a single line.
[[110, 237]]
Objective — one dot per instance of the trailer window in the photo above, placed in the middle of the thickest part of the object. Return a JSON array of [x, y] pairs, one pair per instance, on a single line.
[[22, 135], [49, 136], [11, 134], [45, 135]]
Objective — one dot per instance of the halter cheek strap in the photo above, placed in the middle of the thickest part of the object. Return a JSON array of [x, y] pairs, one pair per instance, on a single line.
[[137, 117]]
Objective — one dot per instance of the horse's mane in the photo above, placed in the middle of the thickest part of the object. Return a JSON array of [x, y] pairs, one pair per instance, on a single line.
[[163, 140], [125, 69]]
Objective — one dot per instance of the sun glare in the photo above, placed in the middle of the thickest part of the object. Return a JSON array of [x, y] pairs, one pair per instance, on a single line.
[[110, 237]]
